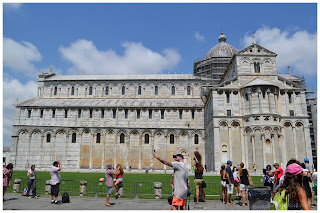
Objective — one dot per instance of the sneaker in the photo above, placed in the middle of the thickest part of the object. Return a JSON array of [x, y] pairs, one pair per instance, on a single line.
[[52, 201], [56, 202], [313, 205]]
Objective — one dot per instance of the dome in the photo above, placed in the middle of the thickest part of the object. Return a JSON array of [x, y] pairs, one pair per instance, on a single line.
[[222, 49]]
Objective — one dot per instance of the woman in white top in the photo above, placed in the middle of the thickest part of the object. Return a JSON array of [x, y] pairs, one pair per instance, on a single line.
[[32, 182]]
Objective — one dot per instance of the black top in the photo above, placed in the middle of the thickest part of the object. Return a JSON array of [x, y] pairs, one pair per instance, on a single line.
[[197, 174], [306, 186], [293, 206], [228, 170], [244, 177]]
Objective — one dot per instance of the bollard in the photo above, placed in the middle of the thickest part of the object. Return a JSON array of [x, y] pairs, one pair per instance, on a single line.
[[157, 190], [83, 187], [48, 187], [16, 185]]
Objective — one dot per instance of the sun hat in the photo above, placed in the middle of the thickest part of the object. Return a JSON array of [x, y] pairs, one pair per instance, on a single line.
[[293, 170], [178, 155]]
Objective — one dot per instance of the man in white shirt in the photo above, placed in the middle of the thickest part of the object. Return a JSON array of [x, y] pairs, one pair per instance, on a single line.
[[180, 182], [55, 181]]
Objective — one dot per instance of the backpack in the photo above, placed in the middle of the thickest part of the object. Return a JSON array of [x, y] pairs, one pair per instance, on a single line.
[[278, 202], [24, 193], [65, 198]]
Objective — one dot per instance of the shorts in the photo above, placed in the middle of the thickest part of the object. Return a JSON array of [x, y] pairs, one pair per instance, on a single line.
[[120, 179], [109, 191], [178, 202], [198, 183], [55, 189], [223, 183], [229, 189], [243, 187]]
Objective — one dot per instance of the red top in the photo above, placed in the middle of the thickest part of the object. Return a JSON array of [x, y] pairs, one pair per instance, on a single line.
[[119, 176], [279, 173]]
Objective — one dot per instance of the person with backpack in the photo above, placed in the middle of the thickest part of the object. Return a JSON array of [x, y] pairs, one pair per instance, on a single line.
[[243, 176], [55, 181], [31, 174], [291, 194]]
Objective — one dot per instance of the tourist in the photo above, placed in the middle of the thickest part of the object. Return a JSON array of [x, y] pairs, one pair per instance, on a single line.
[[314, 178], [308, 165], [254, 168], [152, 168], [277, 172], [295, 193], [7, 175], [180, 182], [236, 180], [198, 172], [223, 183], [307, 178], [243, 175], [31, 174], [310, 170], [109, 182], [55, 181], [229, 182], [268, 179], [118, 180]]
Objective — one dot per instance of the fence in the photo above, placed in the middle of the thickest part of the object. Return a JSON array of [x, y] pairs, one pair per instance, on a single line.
[[95, 188]]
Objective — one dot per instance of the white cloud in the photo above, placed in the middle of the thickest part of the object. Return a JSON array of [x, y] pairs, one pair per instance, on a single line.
[[198, 36], [297, 50], [20, 56], [12, 6], [86, 58], [13, 89]]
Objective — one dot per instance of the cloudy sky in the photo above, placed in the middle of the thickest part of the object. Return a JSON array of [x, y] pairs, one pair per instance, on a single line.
[[143, 38]]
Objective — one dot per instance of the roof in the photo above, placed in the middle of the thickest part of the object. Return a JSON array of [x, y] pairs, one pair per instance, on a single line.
[[126, 77], [112, 103], [222, 49], [290, 77], [258, 82], [6, 149]]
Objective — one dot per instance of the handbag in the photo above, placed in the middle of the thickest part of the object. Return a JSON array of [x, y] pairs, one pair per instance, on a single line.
[[204, 185], [250, 181]]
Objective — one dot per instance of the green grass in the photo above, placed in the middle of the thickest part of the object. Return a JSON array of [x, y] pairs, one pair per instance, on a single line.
[[134, 183]]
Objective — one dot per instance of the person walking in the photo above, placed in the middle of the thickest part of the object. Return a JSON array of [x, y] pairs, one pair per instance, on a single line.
[[7, 175], [310, 170], [292, 184], [229, 182], [236, 180], [254, 168], [243, 175], [31, 174], [223, 183], [307, 178], [198, 178], [181, 181], [109, 182], [55, 181], [308, 165]]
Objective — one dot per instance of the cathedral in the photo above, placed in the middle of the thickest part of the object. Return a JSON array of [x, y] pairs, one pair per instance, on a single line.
[[234, 107]]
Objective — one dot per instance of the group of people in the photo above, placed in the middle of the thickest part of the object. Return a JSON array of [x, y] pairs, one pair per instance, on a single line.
[[239, 178], [109, 181]]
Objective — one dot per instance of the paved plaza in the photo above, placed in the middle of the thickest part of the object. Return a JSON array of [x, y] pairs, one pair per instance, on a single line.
[[19, 202]]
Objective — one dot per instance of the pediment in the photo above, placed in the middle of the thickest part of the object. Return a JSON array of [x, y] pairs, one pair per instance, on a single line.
[[255, 49]]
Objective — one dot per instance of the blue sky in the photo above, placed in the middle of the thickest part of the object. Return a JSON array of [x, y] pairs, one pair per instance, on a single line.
[[117, 38]]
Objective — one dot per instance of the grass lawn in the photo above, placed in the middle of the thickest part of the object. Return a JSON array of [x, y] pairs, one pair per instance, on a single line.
[[134, 183]]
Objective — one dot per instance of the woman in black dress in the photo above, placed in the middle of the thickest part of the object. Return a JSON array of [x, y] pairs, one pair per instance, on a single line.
[[305, 182]]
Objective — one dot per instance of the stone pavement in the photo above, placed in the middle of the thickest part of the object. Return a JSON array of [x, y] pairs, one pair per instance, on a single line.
[[19, 202]]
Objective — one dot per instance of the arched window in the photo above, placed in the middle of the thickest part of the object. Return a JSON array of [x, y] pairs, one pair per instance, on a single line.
[[171, 139], [98, 138], [146, 138], [256, 67], [138, 113], [139, 90], [263, 94], [196, 139], [228, 97], [188, 90], [72, 90], [107, 90], [247, 97], [55, 90], [156, 90], [173, 90], [122, 138], [90, 90], [48, 138], [123, 90], [74, 137]]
